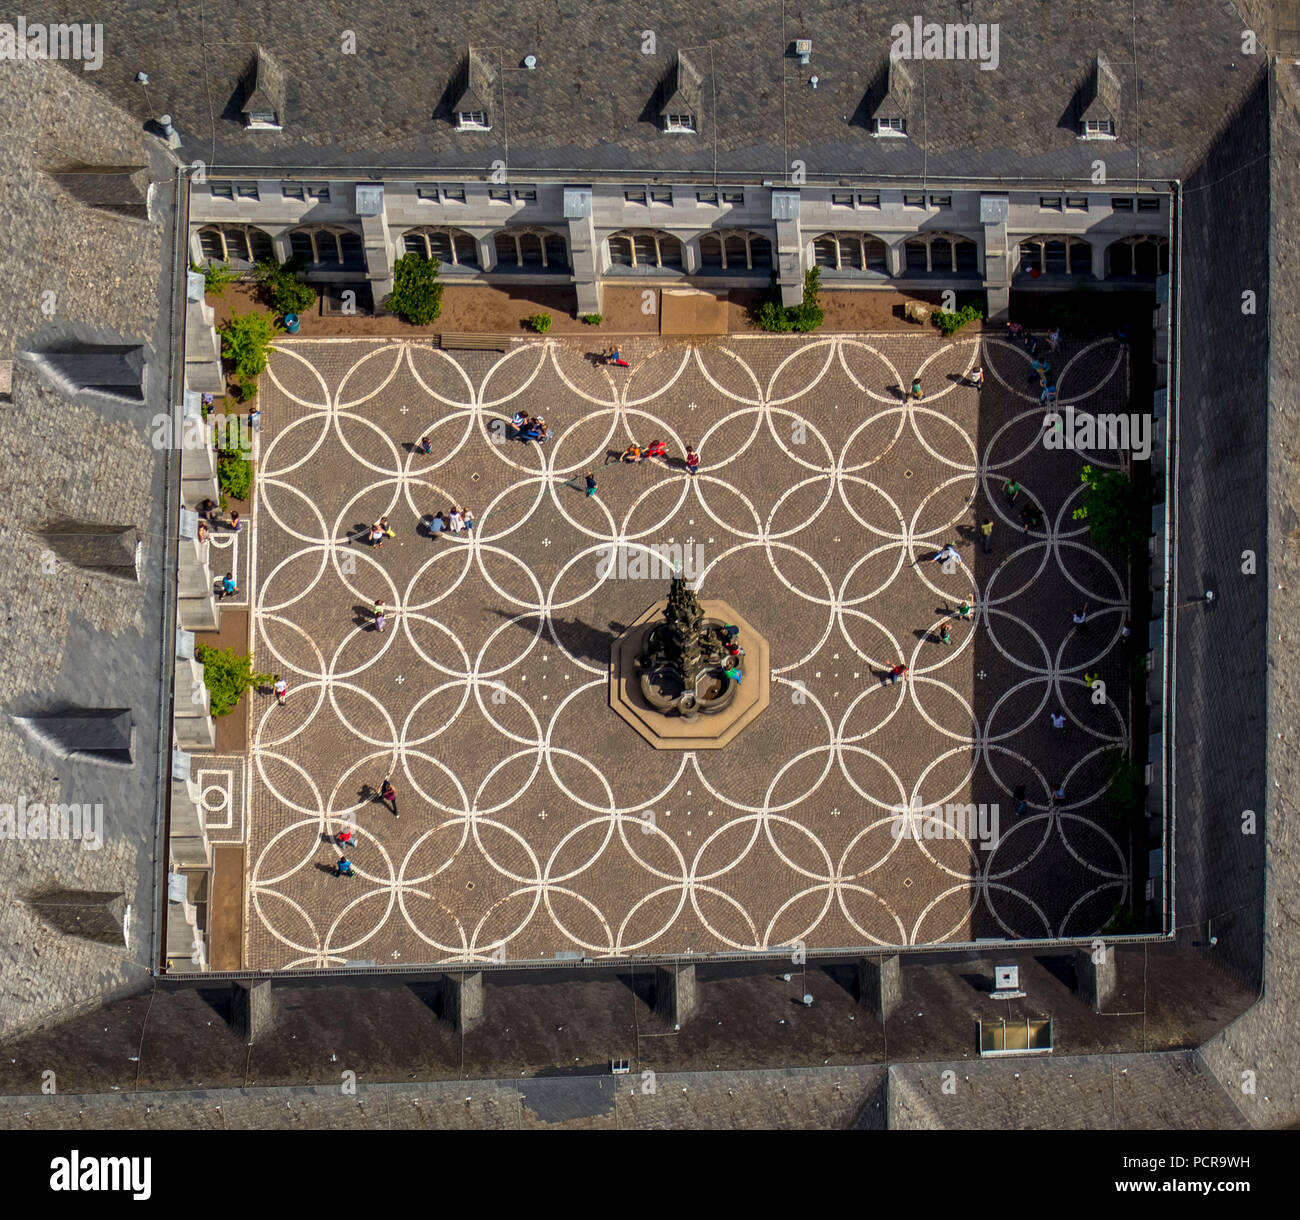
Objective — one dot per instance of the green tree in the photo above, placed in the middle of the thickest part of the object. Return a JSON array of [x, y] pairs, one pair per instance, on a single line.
[[1118, 518], [416, 295], [781, 319], [216, 276], [246, 340], [227, 675], [285, 292], [951, 321], [540, 322]]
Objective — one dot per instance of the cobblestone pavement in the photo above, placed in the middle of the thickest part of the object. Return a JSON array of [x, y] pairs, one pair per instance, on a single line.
[[822, 492]]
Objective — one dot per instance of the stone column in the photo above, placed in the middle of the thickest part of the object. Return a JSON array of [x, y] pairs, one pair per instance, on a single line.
[[252, 1009], [676, 997], [994, 210], [584, 250], [789, 246], [1094, 981], [462, 999], [880, 984]]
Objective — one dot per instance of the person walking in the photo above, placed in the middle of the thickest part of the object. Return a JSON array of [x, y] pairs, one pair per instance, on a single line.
[[945, 634], [1054, 337], [1019, 797], [977, 378], [377, 536], [425, 447], [1058, 793], [388, 793], [344, 837], [1080, 618], [228, 586], [897, 673], [692, 460], [383, 525], [964, 612], [1058, 720], [1012, 489], [379, 616], [281, 689], [344, 868], [255, 419], [1029, 518], [948, 554], [615, 356], [235, 523], [591, 483], [631, 454], [657, 449], [916, 387], [986, 531]]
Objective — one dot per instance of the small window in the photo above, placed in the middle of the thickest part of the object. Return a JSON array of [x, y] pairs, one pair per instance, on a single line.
[[707, 197], [247, 190], [679, 122], [428, 193], [914, 201], [222, 190], [869, 201], [1049, 203], [1148, 203], [941, 201], [634, 196], [841, 199], [662, 197], [1098, 127], [472, 120], [262, 119], [897, 127], [1076, 203], [1121, 203], [499, 195], [737, 198], [321, 193], [453, 194], [526, 196], [293, 192]]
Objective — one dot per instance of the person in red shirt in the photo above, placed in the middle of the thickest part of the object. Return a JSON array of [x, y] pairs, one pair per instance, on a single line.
[[897, 673], [657, 449], [692, 460]]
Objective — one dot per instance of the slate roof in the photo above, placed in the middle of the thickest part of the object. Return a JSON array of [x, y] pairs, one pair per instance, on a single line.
[[683, 88], [892, 96], [586, 110], [78, 639], [112, 188], [1101, 94], [476, 85]]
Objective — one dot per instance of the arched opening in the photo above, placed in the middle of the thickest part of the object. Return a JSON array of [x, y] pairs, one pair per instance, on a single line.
[[324, 246], [530, 250], [235, 244], [645, 250], [1055, 254], [450, 246], [851, 252], [941, 254], [1143, 256], [735, 251]]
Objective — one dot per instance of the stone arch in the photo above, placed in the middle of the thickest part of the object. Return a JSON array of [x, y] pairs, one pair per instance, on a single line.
[[449, 245], [1143, 256], [1054, 254], [650, 249], [734, 251], [235, 244], [940, 253], [327, 246], [851, 251], [527, 248]]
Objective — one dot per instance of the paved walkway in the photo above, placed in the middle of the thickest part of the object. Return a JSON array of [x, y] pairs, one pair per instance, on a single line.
[[523, 798]]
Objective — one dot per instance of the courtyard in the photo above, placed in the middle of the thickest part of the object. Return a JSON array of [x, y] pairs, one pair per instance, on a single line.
[[535, 822]]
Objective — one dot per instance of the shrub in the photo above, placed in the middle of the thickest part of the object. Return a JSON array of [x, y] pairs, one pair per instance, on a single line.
[[540, 322], [781, 319], [951, 322], [215, 277], [1126, 794], [234, 474], [592, 319], [1117, 517], [227, 675], [246, 340], [246, 389], [416, 295], [285, 292]]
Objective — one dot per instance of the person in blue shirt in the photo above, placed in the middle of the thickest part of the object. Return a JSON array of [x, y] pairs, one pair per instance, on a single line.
[[228, 585], [436, 524], [345, 868]]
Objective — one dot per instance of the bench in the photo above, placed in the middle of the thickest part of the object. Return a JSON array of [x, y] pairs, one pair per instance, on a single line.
[[474, 343]]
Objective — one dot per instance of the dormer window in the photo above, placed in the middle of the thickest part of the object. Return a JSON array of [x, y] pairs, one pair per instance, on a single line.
[[1098, 127], [891, 127], [1098, 102], [681, 96], [474, 93], [263, 104]]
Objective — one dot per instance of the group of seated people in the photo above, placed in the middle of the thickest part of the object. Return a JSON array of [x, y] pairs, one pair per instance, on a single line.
[[531, 427], [454, 522], [633, 453]]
